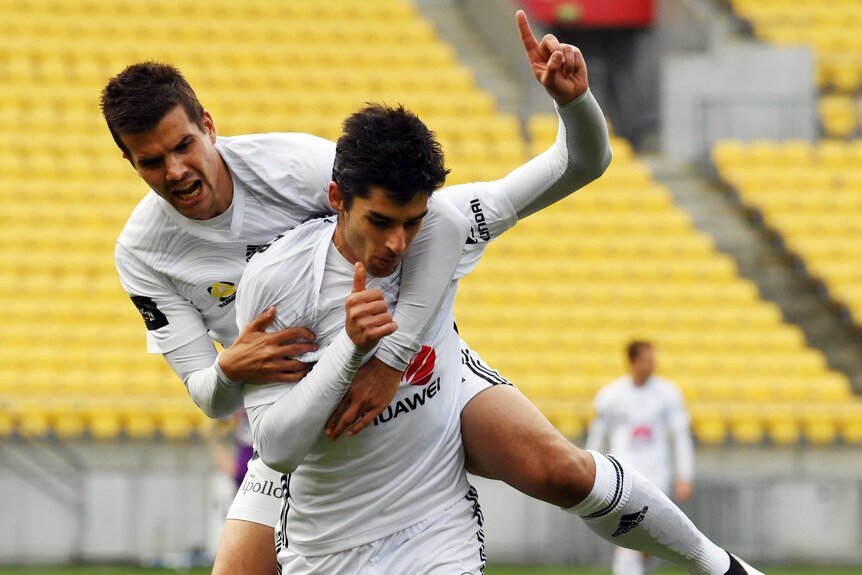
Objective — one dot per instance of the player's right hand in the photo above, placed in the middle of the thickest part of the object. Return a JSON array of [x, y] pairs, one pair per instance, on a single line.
[[260, 357], [368, 317]]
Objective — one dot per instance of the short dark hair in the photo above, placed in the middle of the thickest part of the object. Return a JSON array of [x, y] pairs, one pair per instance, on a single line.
[[391, 148], [633, 349], [136, 99]]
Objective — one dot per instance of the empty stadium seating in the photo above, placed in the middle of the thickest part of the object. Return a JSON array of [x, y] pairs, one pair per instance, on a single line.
[[73, 350], [551, 306]]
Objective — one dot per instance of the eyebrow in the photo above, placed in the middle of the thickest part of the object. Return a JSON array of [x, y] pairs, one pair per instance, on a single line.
[[183, 141], [379, 216]]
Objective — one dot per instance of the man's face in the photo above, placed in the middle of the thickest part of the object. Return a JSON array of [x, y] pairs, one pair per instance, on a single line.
[[643, 365], [377, 230], [178, 160]]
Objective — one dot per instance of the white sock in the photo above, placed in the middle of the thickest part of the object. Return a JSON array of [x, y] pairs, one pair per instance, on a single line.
[[629, 511]]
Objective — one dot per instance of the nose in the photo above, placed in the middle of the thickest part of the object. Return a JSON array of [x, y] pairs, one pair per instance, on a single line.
[[397, 242], [175, 168]]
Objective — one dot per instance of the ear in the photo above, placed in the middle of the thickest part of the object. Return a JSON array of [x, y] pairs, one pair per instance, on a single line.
[[336, 201], [129, 158], [209, 126]]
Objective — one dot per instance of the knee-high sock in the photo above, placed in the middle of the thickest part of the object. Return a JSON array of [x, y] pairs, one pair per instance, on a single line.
[[629, 511]]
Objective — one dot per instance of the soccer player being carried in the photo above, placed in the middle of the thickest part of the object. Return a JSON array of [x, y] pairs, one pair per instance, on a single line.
[[216, 201], [395, 498]]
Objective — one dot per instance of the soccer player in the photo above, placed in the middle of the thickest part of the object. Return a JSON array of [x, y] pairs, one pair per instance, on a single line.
[[638, 416], [395, 498], [170, 141]]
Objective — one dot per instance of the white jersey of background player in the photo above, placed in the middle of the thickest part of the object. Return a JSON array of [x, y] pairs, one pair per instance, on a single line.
[[642, 420]]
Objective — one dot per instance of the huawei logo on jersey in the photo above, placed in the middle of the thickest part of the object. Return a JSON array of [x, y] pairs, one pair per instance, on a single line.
[[225, 292], [421, 367]]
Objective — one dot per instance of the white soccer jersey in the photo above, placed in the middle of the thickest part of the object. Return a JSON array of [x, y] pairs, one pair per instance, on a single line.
[[407, 465], [639, 423], [182, 273]]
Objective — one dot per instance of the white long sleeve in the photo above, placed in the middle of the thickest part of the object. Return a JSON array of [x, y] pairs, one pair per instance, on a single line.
[[285, 431], [196, 363], [580, 154]]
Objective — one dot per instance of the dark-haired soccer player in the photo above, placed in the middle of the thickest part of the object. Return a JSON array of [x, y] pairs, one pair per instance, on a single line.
[[395, 499]]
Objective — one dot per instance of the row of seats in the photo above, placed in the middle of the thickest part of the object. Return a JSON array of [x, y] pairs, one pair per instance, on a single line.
[[712, 422], [717, 423], [821, 224], [102, 418], [827, 27]]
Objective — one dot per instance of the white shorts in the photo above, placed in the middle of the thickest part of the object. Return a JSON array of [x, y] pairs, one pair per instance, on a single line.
[[476, 375], [451, 543], [259, 497]]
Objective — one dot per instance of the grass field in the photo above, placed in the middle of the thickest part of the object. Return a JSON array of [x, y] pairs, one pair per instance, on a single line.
[[519, 570]]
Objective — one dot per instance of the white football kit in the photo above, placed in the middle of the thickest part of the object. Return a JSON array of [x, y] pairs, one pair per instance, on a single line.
[[639, 424], [408, 465], [182, 273]]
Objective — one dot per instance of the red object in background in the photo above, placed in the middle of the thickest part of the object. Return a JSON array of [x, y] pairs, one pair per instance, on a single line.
[[592, 13]]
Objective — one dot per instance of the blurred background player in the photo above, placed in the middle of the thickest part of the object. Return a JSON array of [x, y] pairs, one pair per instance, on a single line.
[[641, 418]]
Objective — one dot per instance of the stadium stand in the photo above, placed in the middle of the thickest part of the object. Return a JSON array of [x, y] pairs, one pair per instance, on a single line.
[[72, 348], [551, 306]]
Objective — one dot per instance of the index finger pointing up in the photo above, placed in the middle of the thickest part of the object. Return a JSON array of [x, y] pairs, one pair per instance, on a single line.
[[527, 37]]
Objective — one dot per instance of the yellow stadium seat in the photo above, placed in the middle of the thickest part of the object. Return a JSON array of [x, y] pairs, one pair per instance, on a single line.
[[708, 424], [782, 425], [819, 424]]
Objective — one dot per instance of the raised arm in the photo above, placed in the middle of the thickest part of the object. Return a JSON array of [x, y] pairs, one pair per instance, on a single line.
[[581, 152]]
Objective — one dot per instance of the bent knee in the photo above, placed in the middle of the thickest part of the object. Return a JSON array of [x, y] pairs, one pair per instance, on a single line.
[[570, 477]]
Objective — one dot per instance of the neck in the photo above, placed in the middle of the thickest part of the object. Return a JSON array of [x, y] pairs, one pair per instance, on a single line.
[[340, 243], [224, 188], [639, 379]]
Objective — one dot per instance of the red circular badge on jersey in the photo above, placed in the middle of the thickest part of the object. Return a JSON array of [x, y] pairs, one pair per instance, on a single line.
[[421, 367]]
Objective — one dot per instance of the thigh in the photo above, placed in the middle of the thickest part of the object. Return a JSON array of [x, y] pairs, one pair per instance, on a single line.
[[245, 548], [507, 438], [247, 543]]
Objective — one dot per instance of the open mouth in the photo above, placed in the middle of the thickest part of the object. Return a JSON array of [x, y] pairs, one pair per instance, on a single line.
[[190, 192]]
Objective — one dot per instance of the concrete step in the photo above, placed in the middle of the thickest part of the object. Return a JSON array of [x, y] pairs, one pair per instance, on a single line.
[[761, 260]]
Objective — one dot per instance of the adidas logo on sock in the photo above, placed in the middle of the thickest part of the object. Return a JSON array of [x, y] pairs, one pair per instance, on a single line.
[[630, 521]]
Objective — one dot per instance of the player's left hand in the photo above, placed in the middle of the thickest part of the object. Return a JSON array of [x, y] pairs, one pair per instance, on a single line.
[[372, 390], [683, 490], [560, 68]]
